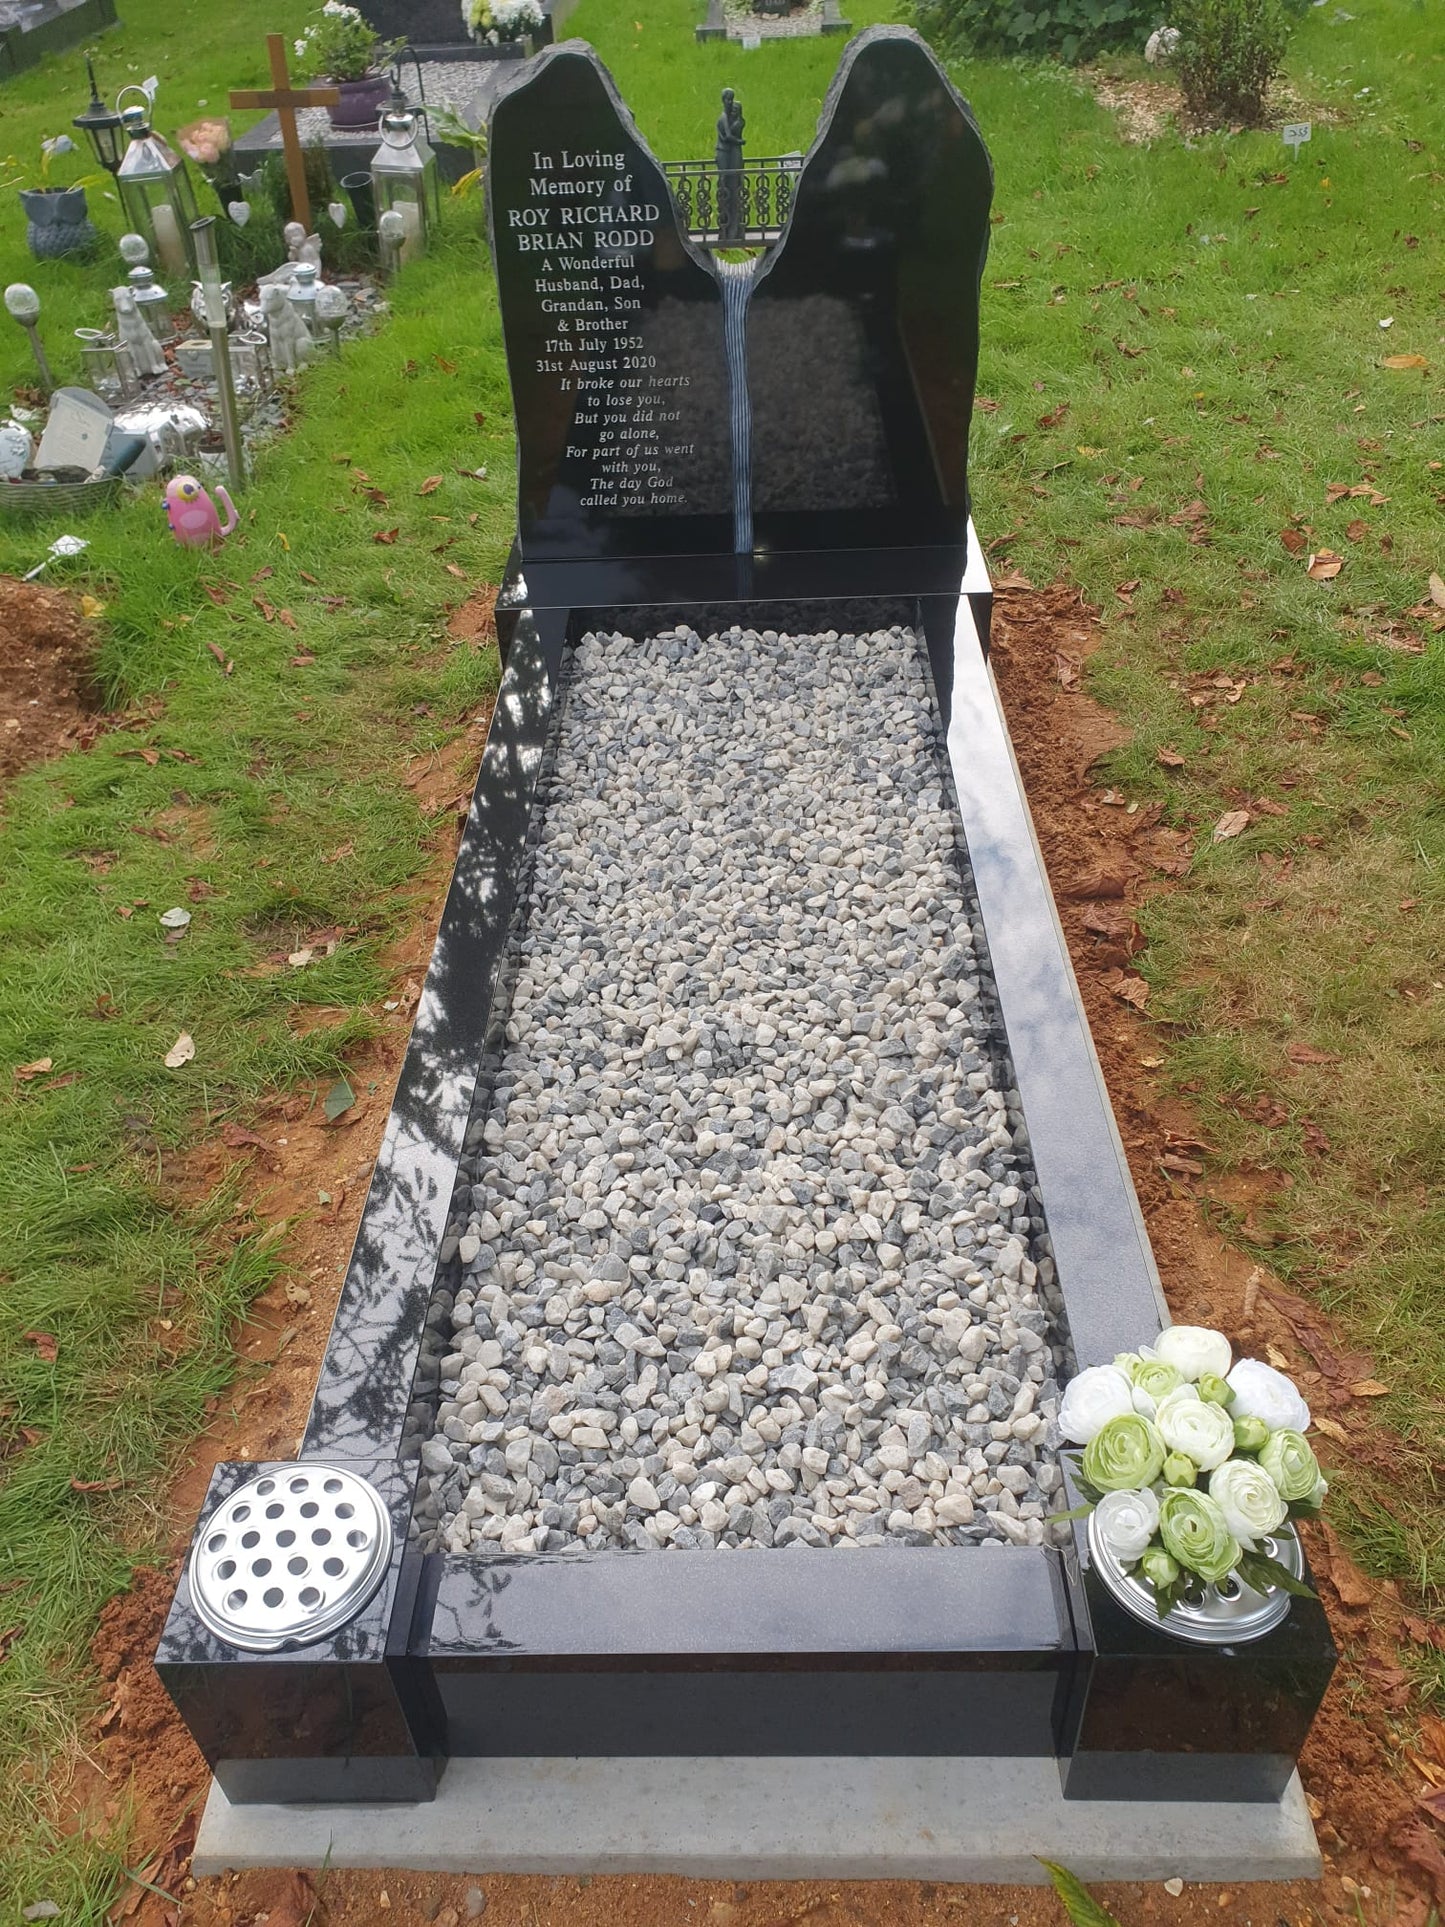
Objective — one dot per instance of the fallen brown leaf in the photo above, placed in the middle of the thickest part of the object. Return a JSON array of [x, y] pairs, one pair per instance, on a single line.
[[1013, 580], [1294, 541], [1424, 1633], [96, 1485], [1231, 824], [1127, 987], [1437, 590], [385, 536], [24, 1072], [430, 485], [1404, 361], [1369, 1388], [1170, 758], [1324, 565], [46, 1348], [1307, 1054]]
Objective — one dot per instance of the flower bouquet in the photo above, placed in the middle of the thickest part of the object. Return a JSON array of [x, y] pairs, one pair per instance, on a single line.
[[499, 20], [1191, 1463]]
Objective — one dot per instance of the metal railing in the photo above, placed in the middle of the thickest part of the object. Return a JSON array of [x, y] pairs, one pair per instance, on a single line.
[[739, 209]]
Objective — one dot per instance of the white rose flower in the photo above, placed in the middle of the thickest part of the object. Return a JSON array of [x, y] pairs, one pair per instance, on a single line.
[[1127, 1521], [1194, 1350], [1091, 1399], [1204, 1433], [1262, 1392], [1145, 1406], [1249, 1499]]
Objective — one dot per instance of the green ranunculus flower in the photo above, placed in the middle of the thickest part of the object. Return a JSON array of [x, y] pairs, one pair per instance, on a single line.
[[1158, 1568], [1290, 1461], [1250, 1434], [1124, 1455], [1195, 1533], [1214, 1390], [1180, 1470], [1155, 1378]]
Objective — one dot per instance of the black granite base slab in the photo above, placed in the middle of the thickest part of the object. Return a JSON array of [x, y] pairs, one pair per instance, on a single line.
[[879, 1651], [890, 1651]]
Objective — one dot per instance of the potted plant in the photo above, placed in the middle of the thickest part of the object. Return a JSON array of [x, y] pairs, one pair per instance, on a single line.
[[503, 27], [340, 47], [57, 221]]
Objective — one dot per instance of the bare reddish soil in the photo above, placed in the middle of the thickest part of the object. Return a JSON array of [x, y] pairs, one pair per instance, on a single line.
[[47, 702], [1369, 1765]]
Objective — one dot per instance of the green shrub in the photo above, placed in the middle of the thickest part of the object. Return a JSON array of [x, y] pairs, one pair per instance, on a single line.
[[1229, 51], [1072, 29]]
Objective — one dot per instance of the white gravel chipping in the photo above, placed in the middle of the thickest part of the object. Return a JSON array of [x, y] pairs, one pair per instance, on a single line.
[[744, 1252]]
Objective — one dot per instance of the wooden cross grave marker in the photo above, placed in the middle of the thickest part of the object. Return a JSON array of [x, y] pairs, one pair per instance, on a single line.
[[286, 99]]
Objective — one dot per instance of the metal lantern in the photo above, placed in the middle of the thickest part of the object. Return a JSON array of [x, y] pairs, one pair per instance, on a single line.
[[101, 126], [156, 191], [108, 366], [302, 294], [152, 302], [404, 180]]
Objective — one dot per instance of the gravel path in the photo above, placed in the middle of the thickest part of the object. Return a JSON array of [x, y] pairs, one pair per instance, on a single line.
[[746, 1250]]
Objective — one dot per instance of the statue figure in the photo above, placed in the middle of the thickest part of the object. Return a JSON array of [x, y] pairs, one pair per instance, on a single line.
[[301, 246], [729, 158], [286, 331], [145, 350]]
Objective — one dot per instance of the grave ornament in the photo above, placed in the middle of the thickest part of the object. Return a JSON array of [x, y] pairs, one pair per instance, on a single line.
[[301, 246], [136, 337], [613, 325], [285, 330], [192, 514]]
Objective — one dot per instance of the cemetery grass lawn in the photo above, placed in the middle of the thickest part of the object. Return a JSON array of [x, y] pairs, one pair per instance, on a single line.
[[266, 793]]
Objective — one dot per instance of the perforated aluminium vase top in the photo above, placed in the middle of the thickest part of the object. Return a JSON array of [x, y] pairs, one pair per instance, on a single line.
[[1228, 1614], [290, 1557]]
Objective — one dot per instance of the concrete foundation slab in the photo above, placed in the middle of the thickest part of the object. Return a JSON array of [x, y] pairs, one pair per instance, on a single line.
[[955, 1820]]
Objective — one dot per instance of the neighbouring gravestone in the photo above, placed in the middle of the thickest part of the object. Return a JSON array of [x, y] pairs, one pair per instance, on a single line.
[[863, 322], [614, 328]]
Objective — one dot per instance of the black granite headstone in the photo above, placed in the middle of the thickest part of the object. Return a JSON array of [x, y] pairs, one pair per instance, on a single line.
[[614, 328], [863, 323], [420, 23]]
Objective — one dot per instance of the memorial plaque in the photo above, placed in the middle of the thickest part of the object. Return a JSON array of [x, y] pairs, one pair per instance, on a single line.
[[863, 322], [614, 328]]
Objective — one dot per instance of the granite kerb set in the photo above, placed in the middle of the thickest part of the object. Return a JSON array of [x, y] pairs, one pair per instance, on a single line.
[[751, 1188]]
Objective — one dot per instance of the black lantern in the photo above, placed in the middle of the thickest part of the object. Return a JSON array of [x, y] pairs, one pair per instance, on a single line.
[[100, 125]]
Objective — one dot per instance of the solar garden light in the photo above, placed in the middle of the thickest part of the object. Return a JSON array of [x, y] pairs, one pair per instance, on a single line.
[[331, 310], [156, 190], [390, 232], [101, 126], [203, 242], [22, 303]]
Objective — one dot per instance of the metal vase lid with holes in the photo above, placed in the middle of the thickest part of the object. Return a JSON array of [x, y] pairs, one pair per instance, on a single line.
[[156, 190], [290, 1558], [1228, 1614]]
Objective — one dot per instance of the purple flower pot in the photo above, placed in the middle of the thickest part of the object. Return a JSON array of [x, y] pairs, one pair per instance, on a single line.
[[361, 101]]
